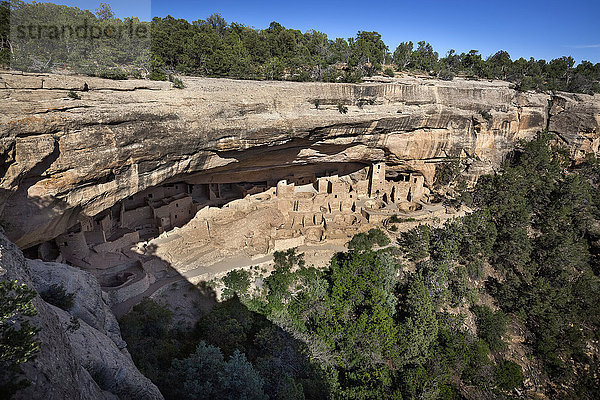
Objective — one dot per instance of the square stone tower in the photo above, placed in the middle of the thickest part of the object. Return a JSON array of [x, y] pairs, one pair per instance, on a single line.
[[377, 180]]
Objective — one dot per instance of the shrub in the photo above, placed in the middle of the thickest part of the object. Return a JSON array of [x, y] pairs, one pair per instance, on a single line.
[[134, 73], [475, 269], [362, 102], [446, 75], [157, 75], [491, 326], [206, 375], [302, 76], [317, 103], [466, 198], [526, 84], [17, 342], [353, 76], [486, 114], [342, 108], [447, 172], [458, 285], [115, 74], [416, 242], [365, 241], [509, 375], [57, 296], [177, 83], [73, 324], [388, 72], [377, 236], [151, 343], [360, 241], [149, 318], [5, 57], [236, 282], [395, 220], [288, 259], [73, 95]]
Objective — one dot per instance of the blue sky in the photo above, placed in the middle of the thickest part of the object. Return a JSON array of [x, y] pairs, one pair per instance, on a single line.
[[525, 28]]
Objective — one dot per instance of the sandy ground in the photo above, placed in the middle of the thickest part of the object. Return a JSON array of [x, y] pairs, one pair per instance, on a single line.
[[168, 289], [187, 301], [317, 255]]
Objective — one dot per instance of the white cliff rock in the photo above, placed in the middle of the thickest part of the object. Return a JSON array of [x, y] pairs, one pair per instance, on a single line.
[[85, 363], [63, 157]]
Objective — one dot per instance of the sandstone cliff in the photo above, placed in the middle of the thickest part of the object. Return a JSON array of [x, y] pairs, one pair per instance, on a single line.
[[63, 156], [88, 361]]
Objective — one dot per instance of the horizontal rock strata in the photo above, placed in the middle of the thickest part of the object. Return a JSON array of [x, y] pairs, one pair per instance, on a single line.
[[63, 157]]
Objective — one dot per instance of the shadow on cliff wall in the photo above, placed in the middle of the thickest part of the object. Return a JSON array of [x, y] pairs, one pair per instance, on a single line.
[[30, 220], [26, 217], [268, 161]]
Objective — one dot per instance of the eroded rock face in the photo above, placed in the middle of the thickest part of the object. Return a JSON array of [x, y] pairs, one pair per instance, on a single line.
[[62, 157], [87, 362], [89, 305]]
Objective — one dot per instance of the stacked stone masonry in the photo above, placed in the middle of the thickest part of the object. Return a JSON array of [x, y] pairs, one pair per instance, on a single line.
[[315, 207]]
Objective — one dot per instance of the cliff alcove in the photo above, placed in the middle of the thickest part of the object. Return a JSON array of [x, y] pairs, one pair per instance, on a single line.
[[143, 186], [65, 158]]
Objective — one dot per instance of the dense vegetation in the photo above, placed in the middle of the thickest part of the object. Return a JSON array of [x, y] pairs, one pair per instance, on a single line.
[[5, 47], [537, 228], [17, 336], [394, 322], [213, 47], [232, 353]]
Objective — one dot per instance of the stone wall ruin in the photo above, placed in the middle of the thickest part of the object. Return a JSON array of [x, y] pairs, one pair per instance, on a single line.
[[311, 207]]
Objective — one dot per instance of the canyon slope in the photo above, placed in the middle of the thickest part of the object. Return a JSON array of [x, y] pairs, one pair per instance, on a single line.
[[82, 354], [74, 145]]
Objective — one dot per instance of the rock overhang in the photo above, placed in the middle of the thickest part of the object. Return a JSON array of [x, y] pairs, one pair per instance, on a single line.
[[64, 157]]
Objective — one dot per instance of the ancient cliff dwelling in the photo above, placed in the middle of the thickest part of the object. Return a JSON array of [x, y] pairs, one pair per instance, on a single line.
[[320, 207], [224, 200], [196, 208]]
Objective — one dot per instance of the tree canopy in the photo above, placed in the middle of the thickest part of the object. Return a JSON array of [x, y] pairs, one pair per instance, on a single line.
[[17, 335], [217, 48], [392, 321]]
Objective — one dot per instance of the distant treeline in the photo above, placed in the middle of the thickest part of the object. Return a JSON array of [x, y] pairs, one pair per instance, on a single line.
[[213, 47]]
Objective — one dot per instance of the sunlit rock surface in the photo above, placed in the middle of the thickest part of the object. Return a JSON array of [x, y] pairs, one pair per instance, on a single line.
[[62, 157]]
